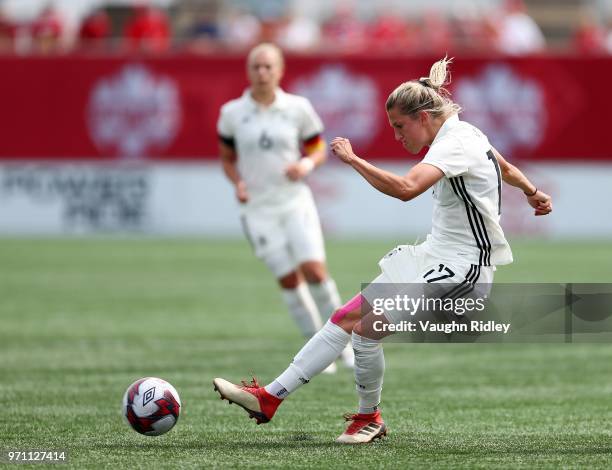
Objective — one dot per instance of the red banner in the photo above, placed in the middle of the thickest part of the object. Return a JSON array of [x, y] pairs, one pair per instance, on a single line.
[[105, 108]]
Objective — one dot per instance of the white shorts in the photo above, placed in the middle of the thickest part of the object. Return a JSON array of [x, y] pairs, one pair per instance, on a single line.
[[286, 239], [412, 265]]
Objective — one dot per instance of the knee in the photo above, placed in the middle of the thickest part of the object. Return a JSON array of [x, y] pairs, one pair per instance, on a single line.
[[357, 328], [290, 281], [314, 272], [346, 321]]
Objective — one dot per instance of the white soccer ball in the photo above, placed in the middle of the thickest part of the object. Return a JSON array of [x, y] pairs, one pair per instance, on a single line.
[[151, 406]]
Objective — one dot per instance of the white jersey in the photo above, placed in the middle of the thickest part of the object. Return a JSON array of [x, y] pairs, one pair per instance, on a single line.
[[467, 201], [266, 140]]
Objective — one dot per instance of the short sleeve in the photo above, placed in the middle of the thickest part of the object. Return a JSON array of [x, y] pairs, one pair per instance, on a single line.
[[449, 156], [311, 124], [224, 124]]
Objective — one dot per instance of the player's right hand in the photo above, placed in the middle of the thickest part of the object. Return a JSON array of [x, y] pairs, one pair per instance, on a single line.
[[541, 202], [341, 148], [241, 192]]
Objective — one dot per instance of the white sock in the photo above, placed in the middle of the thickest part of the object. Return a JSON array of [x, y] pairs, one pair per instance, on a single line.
[[369, 371], [326, 297], [303, 309], [319, 352], [277, 390], [328, 300]]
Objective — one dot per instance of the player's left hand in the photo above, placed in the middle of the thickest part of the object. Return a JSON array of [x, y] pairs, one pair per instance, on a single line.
[[342, 149], [298, 170]]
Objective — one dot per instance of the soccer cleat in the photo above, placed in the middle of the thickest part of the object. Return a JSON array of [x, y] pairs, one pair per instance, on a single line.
[[364, 428], [348, 356], [258, 403]]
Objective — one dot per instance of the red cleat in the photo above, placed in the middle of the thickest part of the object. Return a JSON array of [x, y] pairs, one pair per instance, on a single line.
[[364, 428], [258, 403]]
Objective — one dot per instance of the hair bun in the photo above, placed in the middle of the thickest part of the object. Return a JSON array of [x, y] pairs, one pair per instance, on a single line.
[[438, 74]]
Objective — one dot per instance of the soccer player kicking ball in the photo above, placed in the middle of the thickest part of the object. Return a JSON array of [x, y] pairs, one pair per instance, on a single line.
[[466, 239]]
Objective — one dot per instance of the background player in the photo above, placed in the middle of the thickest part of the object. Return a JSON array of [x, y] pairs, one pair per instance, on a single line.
[[260, 135], [466, 239]]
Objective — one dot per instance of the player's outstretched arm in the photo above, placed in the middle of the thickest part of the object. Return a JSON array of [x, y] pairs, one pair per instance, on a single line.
[[540, 201], [420, 178], [228, 160]]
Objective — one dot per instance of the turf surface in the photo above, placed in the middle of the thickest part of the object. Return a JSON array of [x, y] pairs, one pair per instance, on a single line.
[[82, 319]]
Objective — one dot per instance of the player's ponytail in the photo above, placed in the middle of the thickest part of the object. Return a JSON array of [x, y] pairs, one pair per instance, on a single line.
[[438, 74], [426, 94]]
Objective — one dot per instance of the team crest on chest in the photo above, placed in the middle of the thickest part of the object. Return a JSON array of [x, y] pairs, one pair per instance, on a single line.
[[265, 142]]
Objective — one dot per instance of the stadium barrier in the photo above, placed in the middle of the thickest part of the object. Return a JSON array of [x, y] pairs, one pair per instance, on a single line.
[[110, 144], [109, 108], [195, 199]]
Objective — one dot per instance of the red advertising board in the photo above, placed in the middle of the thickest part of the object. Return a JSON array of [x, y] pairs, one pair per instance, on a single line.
[[108, 108]]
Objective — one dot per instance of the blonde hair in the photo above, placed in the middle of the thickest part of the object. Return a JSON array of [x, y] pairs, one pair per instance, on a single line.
[[266, 46], [426, 94]]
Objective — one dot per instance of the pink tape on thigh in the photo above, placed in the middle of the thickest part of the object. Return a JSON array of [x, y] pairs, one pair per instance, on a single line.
[[351, 305]]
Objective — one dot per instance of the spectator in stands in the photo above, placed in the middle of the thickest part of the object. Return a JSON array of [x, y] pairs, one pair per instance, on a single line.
[[47, 31], [204, 33], [7, 33], [518, 33], [608, 38], [390, 31], [473, 28], [239, 29], [344, 32], [298, 33], [95, 31], [589, 36], [272, 15], [435, 33], [148, 30], [205, 26]]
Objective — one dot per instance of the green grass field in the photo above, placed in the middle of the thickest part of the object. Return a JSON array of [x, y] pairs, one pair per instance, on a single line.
[[82, 319]]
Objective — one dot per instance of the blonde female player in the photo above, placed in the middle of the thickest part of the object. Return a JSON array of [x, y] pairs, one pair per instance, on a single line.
[[260, 135], [465, 172]]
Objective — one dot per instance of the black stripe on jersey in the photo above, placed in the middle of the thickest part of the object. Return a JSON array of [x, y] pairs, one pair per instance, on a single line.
[[311, 139], [476, 221], [478, 216], [466, 285], [461, 284], [474, 272], [229, 141], [455, 186], [493, 158]]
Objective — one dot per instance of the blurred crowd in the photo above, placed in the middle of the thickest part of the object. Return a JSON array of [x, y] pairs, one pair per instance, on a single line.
[[213, 26]]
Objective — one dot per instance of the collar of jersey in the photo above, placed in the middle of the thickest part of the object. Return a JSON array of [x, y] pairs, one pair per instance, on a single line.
[[450, 122], [280, 99]]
